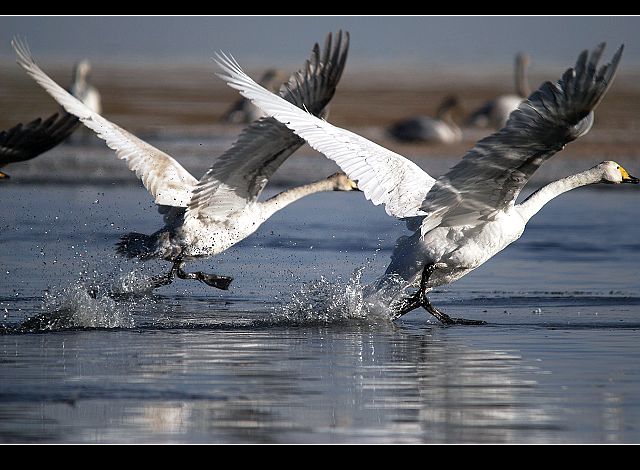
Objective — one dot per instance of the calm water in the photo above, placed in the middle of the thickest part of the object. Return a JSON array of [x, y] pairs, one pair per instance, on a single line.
[[277, 359]]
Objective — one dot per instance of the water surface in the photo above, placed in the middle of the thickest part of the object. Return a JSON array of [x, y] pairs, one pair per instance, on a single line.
[[274, 359]]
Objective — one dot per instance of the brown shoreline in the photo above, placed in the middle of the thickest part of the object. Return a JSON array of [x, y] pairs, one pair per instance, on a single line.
[[174, 101]]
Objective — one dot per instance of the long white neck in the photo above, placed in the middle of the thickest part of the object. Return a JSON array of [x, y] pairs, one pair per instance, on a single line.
[[283, 199], [530, 207], [79, 78]]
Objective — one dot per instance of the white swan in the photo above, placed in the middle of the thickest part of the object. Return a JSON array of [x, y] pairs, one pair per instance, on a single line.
[[469, 214], [82, 89], [26, 141], [205, 217], [494, 113], [439, 130]]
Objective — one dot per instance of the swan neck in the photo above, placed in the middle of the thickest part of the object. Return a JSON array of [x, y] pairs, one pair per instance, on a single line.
[[283, 199], [530, 206]]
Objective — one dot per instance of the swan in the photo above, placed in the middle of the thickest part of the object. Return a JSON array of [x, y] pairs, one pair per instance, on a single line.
[[243, 111], [205, 217], [495, 113], [469, 214], [442, 129], [82, 89], [26, 141]]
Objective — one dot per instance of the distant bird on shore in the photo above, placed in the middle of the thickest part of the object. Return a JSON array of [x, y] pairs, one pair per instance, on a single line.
[[82, 89], [244, 111], [439, 130], [468, 215], [205, 217], [26, 141], [494, 113]]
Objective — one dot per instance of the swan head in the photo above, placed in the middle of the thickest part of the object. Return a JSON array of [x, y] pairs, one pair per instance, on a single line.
[[614, 173], [3, 176], [342, 182], [82, 70]]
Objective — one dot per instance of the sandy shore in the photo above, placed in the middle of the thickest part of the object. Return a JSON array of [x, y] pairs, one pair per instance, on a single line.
[[168, 104]]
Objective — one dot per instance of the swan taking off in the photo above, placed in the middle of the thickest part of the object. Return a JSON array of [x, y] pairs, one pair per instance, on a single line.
[[495, 112], [469, 214], [205, 217], [24, 142], [439, 130]]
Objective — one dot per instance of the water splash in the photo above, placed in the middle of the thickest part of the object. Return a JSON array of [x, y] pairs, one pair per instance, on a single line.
[[324, 301], [78, 307], [96, 300]]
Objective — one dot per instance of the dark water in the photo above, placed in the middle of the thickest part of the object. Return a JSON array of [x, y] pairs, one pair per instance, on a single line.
[[277, 358]]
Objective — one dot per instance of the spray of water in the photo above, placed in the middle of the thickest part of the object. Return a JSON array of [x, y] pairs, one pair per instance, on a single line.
[[96, 300], [324, 301]]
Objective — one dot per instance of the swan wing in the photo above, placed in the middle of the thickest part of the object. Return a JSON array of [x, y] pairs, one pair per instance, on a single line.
[[165, 179], [240, 174], [492, 174], [26, 141], [384, 176]]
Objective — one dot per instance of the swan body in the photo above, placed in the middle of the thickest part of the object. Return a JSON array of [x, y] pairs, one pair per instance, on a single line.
[[205, 217], [462, 219], [441, 129]]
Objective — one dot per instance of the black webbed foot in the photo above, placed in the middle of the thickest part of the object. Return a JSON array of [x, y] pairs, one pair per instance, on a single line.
[[420, 299]]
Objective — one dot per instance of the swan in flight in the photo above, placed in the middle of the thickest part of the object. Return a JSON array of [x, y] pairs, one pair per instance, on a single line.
[[205, 217], [469, 214], [439, 130], [244, 111], [26, 141], [495, 112]]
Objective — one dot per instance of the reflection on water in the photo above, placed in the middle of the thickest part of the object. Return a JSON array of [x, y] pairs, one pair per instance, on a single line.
[[557, 362], [355, 383], [274, 385]]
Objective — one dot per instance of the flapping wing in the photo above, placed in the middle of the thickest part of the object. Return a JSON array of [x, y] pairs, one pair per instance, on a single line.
[[26, 141], [492, 174], [164, 178], [384, 176], [240, 174]]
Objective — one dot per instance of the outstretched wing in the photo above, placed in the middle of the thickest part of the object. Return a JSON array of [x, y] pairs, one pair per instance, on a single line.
[[492, 174], [167, 181], [384, 176], [240, 174], [26, 141]]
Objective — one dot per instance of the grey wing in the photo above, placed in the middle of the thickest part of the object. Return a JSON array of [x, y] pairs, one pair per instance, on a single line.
[[26, 141], [492, 174], [240, 174]]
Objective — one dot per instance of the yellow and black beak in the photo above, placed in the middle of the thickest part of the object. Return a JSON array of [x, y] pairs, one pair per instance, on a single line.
[[3, 176], [627, 178]]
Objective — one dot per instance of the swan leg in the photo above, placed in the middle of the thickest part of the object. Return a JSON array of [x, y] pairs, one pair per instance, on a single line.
[[164, 279], [417, 299], [220, 282], [446, 319], [428, 306], [420, 299]]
